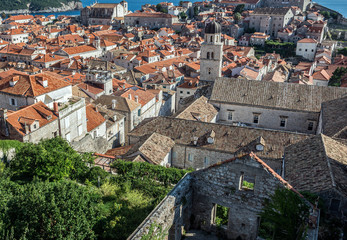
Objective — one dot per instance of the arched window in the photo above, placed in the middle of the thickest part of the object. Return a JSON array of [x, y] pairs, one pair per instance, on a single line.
[[211, 39], [208, 55], [212, 55]]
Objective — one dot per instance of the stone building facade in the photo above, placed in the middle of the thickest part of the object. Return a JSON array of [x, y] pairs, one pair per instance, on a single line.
[[302, 4], [211, 53], [271, 105], [150, 20], [270, 20], [193, 202], [103, 13]]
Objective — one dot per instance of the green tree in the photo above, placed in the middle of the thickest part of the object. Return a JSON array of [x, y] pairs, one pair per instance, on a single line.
[[3, 15], [284, 216], [326, 14], [183, 15], [237, 17], [51, 159], [239, 8], [342, 51], [196, 11], [335, 80], [49, 210], [159, 7], [181, 3]]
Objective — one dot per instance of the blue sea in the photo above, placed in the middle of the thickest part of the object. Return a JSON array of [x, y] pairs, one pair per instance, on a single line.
[[338, 5]]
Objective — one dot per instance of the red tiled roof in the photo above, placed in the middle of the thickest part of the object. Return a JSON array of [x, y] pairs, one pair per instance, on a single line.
[[30, 85], [94, 118], [36, 112]]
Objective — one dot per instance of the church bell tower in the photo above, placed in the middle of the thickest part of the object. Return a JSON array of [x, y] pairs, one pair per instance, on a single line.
[[211, 53]]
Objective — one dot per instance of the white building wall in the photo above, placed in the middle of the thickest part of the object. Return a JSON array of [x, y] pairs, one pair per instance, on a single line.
[[296, 121]]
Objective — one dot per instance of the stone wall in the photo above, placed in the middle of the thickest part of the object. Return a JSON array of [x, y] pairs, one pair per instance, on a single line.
[[7, 155], [221, 185], [171, 214], [200, 157], [297, 121], [89, 144]]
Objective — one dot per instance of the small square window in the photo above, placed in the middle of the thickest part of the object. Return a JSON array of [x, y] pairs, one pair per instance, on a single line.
[[230, 115], [256, 118], [247, 182], [310, 126], [283, 122]]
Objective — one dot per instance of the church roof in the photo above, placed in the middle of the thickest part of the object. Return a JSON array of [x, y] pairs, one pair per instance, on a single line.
[[213, 27]]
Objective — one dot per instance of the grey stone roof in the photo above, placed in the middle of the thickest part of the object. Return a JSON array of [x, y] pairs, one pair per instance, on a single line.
[[213, 27], [334, 118], [152, 148], [199, 110], [317, 164], [228, 138], [286, 96], [123, 104], [271, 11]]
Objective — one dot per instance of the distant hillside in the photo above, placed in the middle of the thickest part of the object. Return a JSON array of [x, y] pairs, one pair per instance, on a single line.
[[37, 5]]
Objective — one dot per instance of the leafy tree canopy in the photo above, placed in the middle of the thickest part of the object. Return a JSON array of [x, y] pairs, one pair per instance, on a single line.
[[342, 51], [284, 216], [239, 8], [47, 210], [335, 80], [51, 159]]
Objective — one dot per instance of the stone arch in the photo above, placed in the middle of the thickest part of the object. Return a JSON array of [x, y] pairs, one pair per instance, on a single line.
[[212, 55], [208, 55]]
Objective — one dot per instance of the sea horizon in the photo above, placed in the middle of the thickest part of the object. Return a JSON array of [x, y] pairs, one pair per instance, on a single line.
[[133, 5]]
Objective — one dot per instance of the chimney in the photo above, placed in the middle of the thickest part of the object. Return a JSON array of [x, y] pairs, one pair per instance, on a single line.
[[195, 140], [55, 108], [44, 82], [26, 128], [136, 98], [114, 103], [14, 80]]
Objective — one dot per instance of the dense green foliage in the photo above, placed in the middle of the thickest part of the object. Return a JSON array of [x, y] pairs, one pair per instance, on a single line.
[[284, 216], [160, 8], [328, 14], [183, 15], [239, 8], [222, 214], [250, 30], [237, 17], [48, 210], [48, 192], [335, 80], [342, 51], [285, 49], [51, 159], [5, 145], [34, 5]]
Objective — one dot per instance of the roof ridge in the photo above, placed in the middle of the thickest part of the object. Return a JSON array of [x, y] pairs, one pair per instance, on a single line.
[[276, 175], [21, 109]]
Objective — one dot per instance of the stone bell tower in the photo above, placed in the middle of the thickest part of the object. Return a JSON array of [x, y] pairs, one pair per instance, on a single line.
[[211, 54]]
